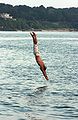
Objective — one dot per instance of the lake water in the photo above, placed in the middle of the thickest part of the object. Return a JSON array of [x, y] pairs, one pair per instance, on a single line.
[[24, 92]]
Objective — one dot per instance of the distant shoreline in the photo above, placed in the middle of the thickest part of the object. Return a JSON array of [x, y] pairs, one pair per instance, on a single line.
[[25, 18], [54, 30], [51, 30], [43, 30]]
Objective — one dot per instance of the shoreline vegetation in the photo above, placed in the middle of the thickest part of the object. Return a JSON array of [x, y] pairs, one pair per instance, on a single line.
[[38, 30], [56, 30], [25, 18]]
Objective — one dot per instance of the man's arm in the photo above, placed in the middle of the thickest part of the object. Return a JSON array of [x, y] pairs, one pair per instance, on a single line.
[[34, 37]]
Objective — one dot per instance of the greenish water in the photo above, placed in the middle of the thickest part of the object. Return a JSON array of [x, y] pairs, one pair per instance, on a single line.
[[22, 92]]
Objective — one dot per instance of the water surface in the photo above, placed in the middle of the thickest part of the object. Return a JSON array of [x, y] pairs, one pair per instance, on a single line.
[[24, 92]]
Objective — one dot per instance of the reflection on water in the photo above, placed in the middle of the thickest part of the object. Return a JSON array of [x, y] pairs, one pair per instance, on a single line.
[[24, 93]]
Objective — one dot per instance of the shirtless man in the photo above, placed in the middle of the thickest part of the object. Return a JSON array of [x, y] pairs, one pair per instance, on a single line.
[[37, 56]]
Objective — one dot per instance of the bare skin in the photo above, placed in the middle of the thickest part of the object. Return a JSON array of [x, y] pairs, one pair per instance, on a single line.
[[37, 55]]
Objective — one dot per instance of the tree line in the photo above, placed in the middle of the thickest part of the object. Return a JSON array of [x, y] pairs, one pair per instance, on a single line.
[[38, 18]]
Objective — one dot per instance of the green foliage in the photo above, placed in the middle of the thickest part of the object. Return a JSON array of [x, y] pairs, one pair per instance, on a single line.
[[38, 18]]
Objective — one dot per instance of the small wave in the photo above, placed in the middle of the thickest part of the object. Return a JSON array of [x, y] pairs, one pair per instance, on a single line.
[[63, 107], [75, 94], [14, 38], [5, 103], [40, 90]]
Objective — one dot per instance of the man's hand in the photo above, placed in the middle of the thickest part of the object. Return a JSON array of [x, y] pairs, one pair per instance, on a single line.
[[33, 35]]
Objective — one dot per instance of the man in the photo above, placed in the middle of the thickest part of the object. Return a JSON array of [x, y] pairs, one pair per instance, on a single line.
[[37, 55]]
